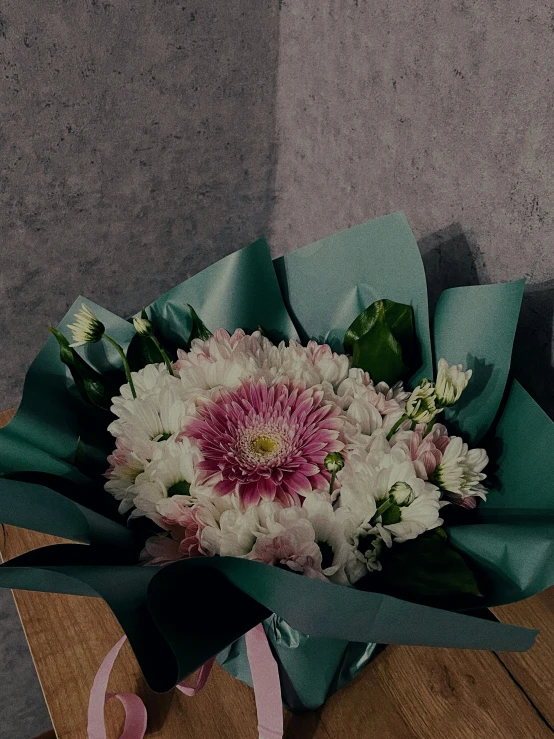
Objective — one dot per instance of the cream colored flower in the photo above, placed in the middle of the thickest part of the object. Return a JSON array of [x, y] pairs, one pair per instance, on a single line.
[[142, 326], [87, 329], [451, 382], [171, 472], [143, 424], [421, 406], [460, 473]]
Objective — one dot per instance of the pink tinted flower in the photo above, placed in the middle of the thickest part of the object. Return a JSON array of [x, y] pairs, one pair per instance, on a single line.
[[124, 468], [185, 523], [293, 547], [426, 451], [159, 550], [266, 442], [331, 367], [219, 346]]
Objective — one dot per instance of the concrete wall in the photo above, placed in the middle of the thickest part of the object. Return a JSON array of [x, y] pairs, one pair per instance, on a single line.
[[142, 141], [443, 110], [137, 147]]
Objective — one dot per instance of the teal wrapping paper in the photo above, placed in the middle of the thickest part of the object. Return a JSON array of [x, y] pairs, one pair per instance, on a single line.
[[314, 292]]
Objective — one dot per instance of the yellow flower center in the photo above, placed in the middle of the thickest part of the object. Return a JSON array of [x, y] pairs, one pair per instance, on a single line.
[[264, 445]]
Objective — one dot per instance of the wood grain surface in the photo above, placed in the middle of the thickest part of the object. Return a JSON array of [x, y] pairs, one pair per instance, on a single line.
[[404, 693]]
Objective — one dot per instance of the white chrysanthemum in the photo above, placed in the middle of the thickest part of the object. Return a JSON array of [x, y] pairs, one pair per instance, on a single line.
[[368, 407], [224, 361], [151, 379], [335, 535], [234, 532], [421, 406], [125, 466], [356, 491], [171, 472], [312, 365], [220, 361], [142, 326], [460, 470], [142, 423], [313, 539], [385, 495], [87, 329], [372, 553], [451, 382]]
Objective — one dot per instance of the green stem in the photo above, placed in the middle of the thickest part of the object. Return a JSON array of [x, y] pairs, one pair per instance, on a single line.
[[382, 508], [125, 363], [394, 429], [333, 475], [429, 427], [166, 359]]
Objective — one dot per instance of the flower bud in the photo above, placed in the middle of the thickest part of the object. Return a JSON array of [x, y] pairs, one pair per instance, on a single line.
[[334, 462], [421, 405], [402, 493], [451, 382], [87, 329], [142, 326]]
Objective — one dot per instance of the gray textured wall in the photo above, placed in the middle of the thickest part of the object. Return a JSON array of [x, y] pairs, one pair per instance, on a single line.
[[137, 147], [441, 109]]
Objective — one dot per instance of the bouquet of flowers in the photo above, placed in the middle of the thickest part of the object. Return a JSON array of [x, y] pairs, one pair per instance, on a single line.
[[293, 418], [284, 454]]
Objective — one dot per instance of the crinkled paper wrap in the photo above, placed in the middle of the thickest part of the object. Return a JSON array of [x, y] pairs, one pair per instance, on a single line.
[[314, 292]]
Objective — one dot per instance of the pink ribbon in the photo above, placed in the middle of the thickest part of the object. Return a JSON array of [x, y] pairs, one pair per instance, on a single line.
[[265, 680], [135, 710]]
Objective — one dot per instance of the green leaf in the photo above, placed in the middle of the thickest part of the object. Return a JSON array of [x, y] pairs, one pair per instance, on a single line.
[[199, 331], [142, 350], [90, 384], [382, 341], [428, 566]]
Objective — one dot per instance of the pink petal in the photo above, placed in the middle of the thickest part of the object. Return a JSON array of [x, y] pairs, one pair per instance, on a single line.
[[248, 492], [266, 488], [430, 462], [224, 487], [298, 483]]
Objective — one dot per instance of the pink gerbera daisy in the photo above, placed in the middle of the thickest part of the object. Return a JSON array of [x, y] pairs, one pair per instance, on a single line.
[[266, 442]]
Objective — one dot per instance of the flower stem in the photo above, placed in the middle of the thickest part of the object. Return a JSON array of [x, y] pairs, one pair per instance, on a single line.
[[394, 429], [166, 359], [125, 362], [333, 475], [382, 508], [429, 427]]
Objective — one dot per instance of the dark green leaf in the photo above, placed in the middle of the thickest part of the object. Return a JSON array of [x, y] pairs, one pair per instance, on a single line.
[[199, 331], [428, 566], [142, 350], [382, 341], [90, 384]]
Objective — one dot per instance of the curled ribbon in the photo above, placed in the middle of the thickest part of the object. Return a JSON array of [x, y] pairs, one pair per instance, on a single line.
[[265, 680]]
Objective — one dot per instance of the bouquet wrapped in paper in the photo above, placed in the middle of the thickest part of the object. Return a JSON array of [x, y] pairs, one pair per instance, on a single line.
[[285, 442]]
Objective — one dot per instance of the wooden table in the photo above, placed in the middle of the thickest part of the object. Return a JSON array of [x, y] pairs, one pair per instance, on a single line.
[[405, 693]]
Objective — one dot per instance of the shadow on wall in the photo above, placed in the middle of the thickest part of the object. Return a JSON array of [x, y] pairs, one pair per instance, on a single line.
[[534, 347], [138, 147], [450, 261]]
